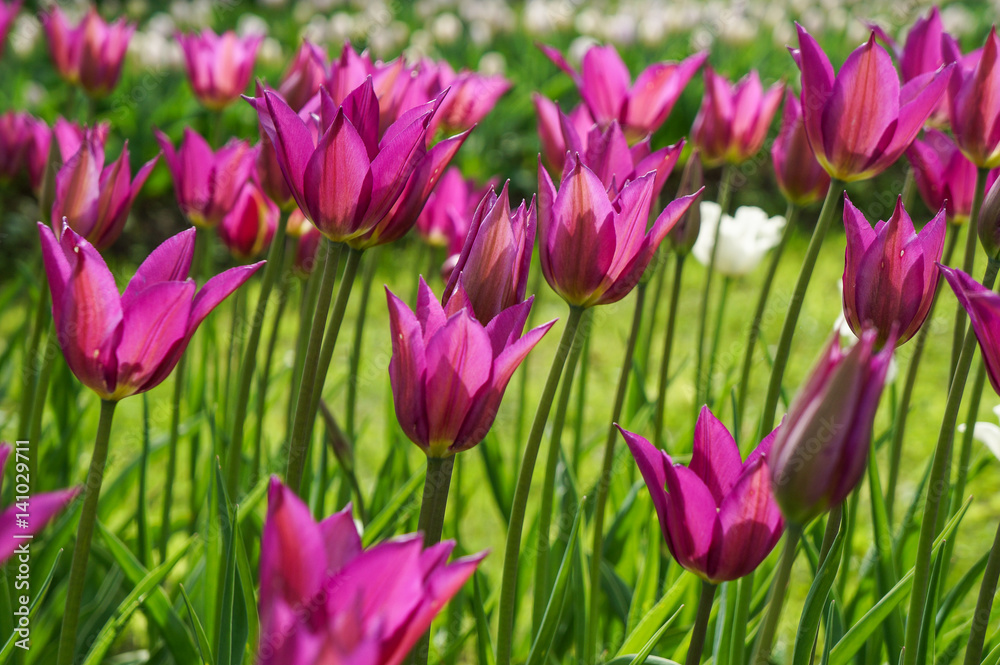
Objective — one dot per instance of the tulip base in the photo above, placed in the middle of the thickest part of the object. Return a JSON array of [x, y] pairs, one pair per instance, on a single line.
[[697, 643]]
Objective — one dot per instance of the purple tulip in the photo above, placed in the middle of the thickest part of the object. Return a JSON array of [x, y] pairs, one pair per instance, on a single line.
[[207, 183], [983, 307], [890, 272], [606, 87], [822, 445], [306, 246], [733, 121], [449, 371], [248, 228], [304, 76], [800, 177], [121, 345], [471, 96], [945, 177], [324, 599], [860, 121], [445, 219], [8, 12], [582, 220], [974, 102], [492, 272], [717, 514], [92, 53], [219, 66], [24, 146]]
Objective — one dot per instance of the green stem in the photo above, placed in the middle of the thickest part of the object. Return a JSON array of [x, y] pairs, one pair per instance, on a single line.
[[512, 551], [84, 534], [172, 442], [937, 485], [668, 343], [30, 370], [791, 215], [700, 623], [769, 626], [581, 405], [307, 305], [604, 482], [984, 605], [367, 278], [719, 317], [41, 394], [249, 364], [909, 188], [896, 448], [263, 377], [522, 393], [826, 216], [968, 265]]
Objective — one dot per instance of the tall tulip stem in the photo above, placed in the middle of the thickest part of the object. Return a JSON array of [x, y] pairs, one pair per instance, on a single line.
[[700, 623], [512, 551], [984, 605], [668, 345], [367, 278], [968, 264], [84, 534], [30, 370], [769, 626], [826, 216], [720, 314]]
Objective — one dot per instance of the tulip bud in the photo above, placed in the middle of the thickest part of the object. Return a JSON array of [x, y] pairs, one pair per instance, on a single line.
[[8, 12], [800, 177], [92, 53], [988, 223], [304, 76], [248, 228], [944, 176], [219, 66], [685, 232], [983, 307], [973, 104], [733, 120]]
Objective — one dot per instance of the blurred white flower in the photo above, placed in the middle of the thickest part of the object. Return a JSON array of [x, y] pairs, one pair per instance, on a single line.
[[446, 28], [492, 63], [987, 434], [744, 238]]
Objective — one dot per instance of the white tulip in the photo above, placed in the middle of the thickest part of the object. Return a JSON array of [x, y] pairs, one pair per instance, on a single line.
[[987, 433], [744, 238]]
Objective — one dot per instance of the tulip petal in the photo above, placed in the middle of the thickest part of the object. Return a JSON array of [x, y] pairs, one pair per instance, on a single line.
[[817, 87], [341, 539], [657, 89], [170, 262], [57, 268], [293, 142], [715, 457], [218, 289], [983, 307], [751, 523], [407, 369], [606, 82], [338, 181], [43, 508]]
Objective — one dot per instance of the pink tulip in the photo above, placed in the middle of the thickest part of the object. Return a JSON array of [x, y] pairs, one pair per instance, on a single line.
[[272, 180], [306, 246], [449, 371], [92, 53], [607, 89], [983, 307], [471, 96], [121, 345], [860, 121], [445, 219], [248, 228], [717, 514], [733, 121], [582, 220], [554, 126], [206, 183], [8, 12], [304, 76], [945, 177], [324, 599], [219, 66], [24, 146], [800, 177], [974, 102], [392, 82]]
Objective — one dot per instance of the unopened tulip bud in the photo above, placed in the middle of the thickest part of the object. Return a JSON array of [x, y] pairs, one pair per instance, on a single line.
[[685, 232], [988, 223]]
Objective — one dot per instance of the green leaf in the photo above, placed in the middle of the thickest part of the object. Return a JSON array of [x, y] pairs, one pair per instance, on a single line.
[[655, 618], [885, 571], [647, 649], [400, 505], [627, 659], [36, 601], [204, 648], [959, 591], [925, 642], [812, 611], [233, 629], [645, 588], [484, 645]]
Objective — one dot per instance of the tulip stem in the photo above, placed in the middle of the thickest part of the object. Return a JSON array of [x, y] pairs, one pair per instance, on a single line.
[[84, 534], [968, 265], [984, 605], [29, 371], [896, 449], [249, 364], [727, 282], [795, 305], [791, 215], [307, 305], [264, 375], [604, 481], [512, 551], [768, 627], [367, 277], [668, 344], [48, 361], [697, 642], [937, 485], [725, 190]]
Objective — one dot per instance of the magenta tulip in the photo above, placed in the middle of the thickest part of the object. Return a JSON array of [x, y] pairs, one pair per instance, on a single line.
[[24, 146], [207, 182], [733, 121], [974, 103], [219, 66], [272, 180], [890, 272], [449, 371], [717, 514], [325, 600], [248, 228], [304, 76], [8, 12], [860, 121], [581, 220], [606, 87], [121, 345], [945, 177], [800, 177], [471, 96], [983, 307], [822, 445], [447, 215], [306, 245], [552, 123], [92, 53]]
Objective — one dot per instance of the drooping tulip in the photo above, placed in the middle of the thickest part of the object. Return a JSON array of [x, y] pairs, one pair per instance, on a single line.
[[606, 87], [717, 514], [447, 216], [822, 445], [890, 272], [449, 371], [8, 12], [744, 238], [860, 121], [304, 76], [733, 120], [207, 182], [325, 599], [121, 345], [581, 220], [492, 271], [92, 53], [974, 103], [944, 176], [247, 229], [219, 66], [983, 307], [800, 177]]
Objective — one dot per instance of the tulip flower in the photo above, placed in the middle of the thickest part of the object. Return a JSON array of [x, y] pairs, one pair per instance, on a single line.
[[552, 123], [447, 215], [581, 220], [822, 445], [8, 12], [492, 272], [471, 96], [32, 513], [944, 176], [304, 76], [248, 228], [92, 53], [744, 238], [449, 372], [684, 234], [860, 121], [272, 180], [306, 246], [324, 599], [717, 514], [606, 88], [206, 183], [890, 272], [800, 177], [983, 307], [733, 120], [121, 345], [974, 105], [24, 146], [219, 66]]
